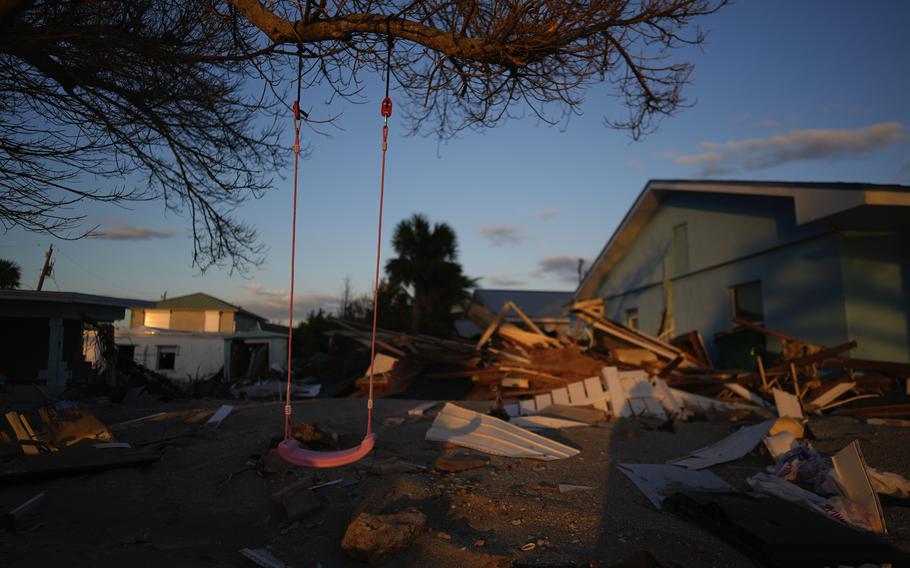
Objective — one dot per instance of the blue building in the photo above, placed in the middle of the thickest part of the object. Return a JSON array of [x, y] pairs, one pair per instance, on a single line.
[[826, 262]]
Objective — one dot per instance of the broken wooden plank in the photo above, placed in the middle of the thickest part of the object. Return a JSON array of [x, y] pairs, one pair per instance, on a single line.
[[831, 395], [787, 405]]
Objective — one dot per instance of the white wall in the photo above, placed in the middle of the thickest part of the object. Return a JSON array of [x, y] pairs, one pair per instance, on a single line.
[[198, 356]]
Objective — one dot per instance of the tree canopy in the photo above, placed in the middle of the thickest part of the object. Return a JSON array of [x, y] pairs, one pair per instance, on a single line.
[[177, 100], [10, 275], [427, 265]]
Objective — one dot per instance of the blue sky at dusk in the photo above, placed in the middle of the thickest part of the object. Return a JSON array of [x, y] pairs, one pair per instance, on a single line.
[[809, 90]]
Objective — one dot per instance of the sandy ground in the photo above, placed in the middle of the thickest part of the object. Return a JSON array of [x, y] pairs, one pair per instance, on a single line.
[[203, 502]]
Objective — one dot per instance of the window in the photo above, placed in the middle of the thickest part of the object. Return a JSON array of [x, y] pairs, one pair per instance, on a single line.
[[167, 357], [632, 318], [158, 318], [680, 249], [212, 320], [747, 302]]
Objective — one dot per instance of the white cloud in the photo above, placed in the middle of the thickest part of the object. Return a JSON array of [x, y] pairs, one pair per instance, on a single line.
[[637, 165], [506, 281], [548, 214], [499, 236], [760, 153], [272, 303], [118, 230]]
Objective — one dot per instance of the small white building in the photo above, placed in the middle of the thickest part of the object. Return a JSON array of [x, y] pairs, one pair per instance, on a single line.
[[190, 338]]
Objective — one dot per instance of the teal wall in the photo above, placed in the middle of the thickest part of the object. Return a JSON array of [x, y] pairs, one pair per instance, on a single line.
[[876, 275], [815, 282]]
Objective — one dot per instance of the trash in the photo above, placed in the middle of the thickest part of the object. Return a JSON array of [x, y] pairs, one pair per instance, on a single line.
[[461, 462], [787, 405], [730, 448], [422, 409], [853, 480], [781, 533], [527, 547], [573, 413], [470, 429], [787, 424], [829, 396], [13, 519], [26, 437], [886, 483], [658, 481], [780, 443], [219, 416], [342, 482], [569, 488], [748, 395], [544, 422], [373, 537], [262, 557], [839, 509]]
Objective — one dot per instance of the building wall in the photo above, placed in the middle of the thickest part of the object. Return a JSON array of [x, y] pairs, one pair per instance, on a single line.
[[876, 279], [198, 355], [193, 320], [802, 288]]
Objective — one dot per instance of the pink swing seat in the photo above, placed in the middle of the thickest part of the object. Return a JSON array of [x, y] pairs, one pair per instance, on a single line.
[[291, 452]]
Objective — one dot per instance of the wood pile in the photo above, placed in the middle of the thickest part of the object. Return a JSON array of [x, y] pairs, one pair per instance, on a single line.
[[515, 359]]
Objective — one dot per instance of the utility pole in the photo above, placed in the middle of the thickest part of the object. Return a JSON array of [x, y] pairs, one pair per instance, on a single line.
[[48, 266]]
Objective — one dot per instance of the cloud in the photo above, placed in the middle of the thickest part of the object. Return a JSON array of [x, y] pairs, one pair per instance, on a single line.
[[563, 267], [548, 214], [503, 281], [761, 153], [272, 303], [118, 230], [637, 165], [499, 236], [769, 123]]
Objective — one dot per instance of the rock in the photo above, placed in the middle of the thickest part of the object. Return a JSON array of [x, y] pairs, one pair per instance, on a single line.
[[273, 463], [461, 462], [443, 536], [308, 433], [372, 537], [479, 543], [297, 499]]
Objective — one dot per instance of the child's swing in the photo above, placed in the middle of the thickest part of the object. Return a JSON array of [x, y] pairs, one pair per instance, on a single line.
[[289, 449]]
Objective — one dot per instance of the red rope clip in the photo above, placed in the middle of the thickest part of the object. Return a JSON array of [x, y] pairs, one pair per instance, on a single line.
[[386, 110], [296, 110]]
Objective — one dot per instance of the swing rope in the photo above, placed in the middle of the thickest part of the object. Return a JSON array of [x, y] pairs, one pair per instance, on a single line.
[[386, 112]]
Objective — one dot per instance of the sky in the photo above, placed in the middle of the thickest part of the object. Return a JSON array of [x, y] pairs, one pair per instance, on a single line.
[[782, 90]]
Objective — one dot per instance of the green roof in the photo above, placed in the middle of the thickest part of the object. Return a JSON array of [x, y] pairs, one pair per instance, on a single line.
[[197, 301]]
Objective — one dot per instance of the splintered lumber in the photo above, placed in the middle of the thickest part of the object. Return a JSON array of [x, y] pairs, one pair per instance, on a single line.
[[631, 336], [594, 306], [694, 345], [815, 357]]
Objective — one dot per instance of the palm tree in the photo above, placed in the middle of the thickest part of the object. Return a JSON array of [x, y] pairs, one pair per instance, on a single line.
[[9, 275], [427, 265]]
